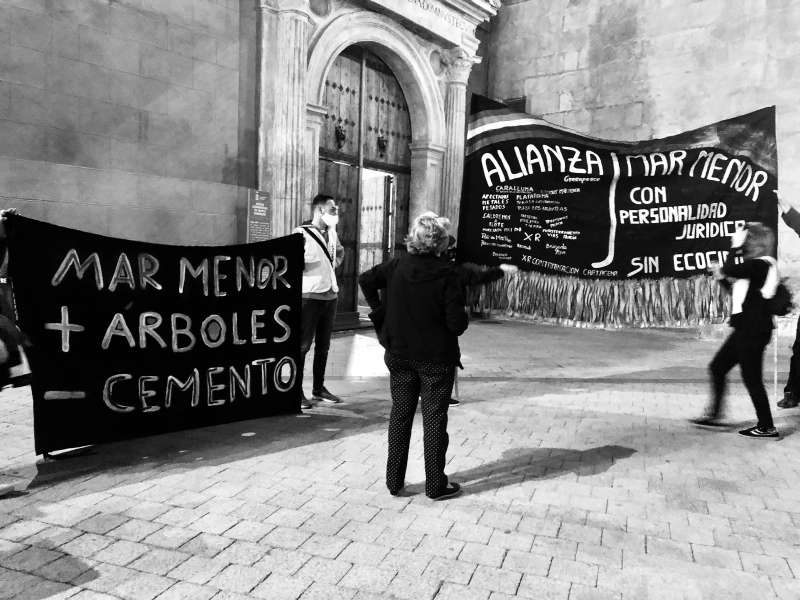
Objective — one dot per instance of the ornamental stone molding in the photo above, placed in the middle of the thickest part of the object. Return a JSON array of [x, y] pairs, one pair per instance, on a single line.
[[398, 49]]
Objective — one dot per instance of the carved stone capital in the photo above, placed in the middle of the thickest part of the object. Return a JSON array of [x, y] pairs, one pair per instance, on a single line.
[[280, 6], [458, 64]]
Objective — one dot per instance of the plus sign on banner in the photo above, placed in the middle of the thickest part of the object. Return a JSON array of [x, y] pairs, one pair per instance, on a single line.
[[130, 338]]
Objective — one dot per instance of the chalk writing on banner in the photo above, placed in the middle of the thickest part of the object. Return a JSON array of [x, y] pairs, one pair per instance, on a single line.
[[132, 338], [551, 200]]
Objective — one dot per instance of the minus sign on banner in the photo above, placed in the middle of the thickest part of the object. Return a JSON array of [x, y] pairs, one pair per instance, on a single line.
[[64, 395]]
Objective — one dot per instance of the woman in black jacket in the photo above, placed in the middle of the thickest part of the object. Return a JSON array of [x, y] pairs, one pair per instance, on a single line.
[[751, 283], [418, 322]]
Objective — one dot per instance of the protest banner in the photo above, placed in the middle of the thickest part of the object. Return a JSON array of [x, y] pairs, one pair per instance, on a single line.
[[131, 338], [619, 233]]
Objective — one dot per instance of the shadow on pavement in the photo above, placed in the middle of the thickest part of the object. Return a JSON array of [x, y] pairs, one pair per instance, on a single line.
[[522, 464], [41, 571], [218, 444]]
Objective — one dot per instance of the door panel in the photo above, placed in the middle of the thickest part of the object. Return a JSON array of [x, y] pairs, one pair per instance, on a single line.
[[342, 96], [365, 196], [341, 181], [386, 116]]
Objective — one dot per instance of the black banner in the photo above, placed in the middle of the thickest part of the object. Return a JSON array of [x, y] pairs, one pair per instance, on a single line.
[[550, 200], [132, 339]]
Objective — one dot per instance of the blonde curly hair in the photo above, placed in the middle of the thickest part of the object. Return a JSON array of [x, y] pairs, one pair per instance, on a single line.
[[428, 235]]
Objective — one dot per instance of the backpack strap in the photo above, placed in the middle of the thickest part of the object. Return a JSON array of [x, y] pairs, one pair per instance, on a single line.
[[314, 233]]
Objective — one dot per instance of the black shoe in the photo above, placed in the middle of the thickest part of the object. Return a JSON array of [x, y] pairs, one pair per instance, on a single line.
[[707, 421], [451, 491], [324, 395], [760, 432], [789, 400], [304, 402], [453, 402]]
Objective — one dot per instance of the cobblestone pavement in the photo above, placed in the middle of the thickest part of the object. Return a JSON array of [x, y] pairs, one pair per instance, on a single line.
[[583, 480]]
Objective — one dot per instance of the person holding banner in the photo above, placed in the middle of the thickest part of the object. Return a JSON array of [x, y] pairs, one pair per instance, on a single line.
[[418, 323], [751, 283], [791, 392], [323, 253]]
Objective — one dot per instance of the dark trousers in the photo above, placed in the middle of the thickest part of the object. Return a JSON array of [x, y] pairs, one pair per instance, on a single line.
[[793, 383], [317, 318], [432, 383], [747, 350]]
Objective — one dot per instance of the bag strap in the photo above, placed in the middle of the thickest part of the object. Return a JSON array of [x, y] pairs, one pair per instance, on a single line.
[[317, 236]]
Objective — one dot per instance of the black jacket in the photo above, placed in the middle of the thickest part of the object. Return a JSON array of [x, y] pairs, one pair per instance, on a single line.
[[422, 311], [755, 317]]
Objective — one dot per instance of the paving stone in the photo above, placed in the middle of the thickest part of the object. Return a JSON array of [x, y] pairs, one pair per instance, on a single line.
[[281, 587], [325, 546], [767, 565], [439, 546], [554, 547], [412, 588], [101, 523], [364, 554], [198, 569], [170, 537], [249, 531], [454, 591], [367, 578], [322, 591], [237, 578], [280, 560], [121, 553], [284, 537], [134, 530], [242, 553], [159, 561], [716, 557], [188, 591], [444, 569], [527, 562], [512, 540], [206, 544], [324, 570], [30, 559], [573, 571], [540, 588]]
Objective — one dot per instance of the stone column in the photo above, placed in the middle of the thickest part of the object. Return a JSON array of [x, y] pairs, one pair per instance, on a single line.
[[459, 64], [283, 43], [426, 171], [315, 115]]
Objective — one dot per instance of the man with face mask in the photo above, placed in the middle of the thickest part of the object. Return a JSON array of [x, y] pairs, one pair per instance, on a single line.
[[323, 253]]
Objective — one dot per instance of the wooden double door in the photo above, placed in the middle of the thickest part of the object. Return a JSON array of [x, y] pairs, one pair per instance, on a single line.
[[365, 161]]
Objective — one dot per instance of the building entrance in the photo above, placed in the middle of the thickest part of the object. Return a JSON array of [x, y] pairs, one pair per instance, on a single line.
[[365, 164]]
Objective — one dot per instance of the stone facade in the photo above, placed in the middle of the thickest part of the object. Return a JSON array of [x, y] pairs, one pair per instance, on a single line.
[[130, 118], [630, 70], [157, 120]]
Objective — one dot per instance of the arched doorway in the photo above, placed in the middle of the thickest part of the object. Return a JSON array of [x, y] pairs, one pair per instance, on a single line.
[[365, 164]]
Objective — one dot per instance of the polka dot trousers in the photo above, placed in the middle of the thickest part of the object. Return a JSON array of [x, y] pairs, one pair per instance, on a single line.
[[432, 383]]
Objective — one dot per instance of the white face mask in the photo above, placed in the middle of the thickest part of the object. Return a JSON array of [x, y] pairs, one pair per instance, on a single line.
[[330, 220]]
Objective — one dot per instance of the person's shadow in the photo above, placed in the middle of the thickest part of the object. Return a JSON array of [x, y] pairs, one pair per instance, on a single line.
[[523, 464], [35, 567]]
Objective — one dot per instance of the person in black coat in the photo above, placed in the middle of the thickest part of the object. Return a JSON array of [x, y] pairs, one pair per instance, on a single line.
[[418, 322], [751, 283], [791, 391]]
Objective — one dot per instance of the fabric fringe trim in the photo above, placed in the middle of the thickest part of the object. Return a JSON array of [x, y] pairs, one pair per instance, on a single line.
[[668, 302]]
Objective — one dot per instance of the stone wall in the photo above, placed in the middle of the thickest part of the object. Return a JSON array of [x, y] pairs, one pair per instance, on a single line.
[[631, 70], [133, 118]]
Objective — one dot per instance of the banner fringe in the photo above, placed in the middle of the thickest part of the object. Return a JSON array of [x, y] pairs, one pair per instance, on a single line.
[[667, 302]]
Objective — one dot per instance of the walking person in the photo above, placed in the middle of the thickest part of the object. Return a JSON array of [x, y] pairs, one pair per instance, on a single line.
[[791, 391], [751, 283], [418, 323], [323, 253]]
